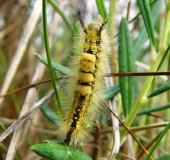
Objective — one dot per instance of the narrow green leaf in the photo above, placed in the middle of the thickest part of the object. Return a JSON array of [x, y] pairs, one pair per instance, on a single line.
[[49, 114], [54, 151], [160, 90], [153, 109], [146, 15], [142, 37], [126, 64], [101, 8], [158, 141], [2, 147], [164, 56], [164, 157], [58, 67], [2, 127], [151, 3], [57, 8]]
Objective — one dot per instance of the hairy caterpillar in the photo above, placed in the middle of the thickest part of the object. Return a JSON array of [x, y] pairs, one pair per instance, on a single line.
[[91, 49]]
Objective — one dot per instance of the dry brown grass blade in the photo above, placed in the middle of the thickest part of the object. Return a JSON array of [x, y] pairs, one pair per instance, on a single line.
[[31, 94], [115, 127], [22, 45], [150, 126]]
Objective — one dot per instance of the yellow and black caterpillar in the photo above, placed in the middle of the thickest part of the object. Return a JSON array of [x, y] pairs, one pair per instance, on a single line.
[[83, 107]]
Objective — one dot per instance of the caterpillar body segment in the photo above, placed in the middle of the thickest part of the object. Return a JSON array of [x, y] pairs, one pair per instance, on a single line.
[[83, 107]]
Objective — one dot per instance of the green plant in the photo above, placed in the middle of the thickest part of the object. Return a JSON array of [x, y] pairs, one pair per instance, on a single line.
[[137, 109]]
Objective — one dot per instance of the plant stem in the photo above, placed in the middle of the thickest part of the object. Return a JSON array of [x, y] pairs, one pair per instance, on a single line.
[[48, 51]]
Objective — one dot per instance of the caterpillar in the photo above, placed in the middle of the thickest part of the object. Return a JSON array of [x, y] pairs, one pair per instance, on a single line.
[[91, 50]]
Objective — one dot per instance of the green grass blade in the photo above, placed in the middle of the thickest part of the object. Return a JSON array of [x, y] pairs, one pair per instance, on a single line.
[[142, 37], [139, 12], [158, 141], [2, 147], [146, 14], [57, 8], [160, 90], [164, 56], [126, 64], [48, 51], [164, 157], [2, 127], [54, 151], [102, 9], [166, 32], [153, 109]]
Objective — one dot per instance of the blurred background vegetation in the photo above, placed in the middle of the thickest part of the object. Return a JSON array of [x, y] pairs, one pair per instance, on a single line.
[[21, 35]]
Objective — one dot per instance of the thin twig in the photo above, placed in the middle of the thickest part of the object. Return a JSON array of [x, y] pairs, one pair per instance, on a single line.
[[150, 126], [115, 122]]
